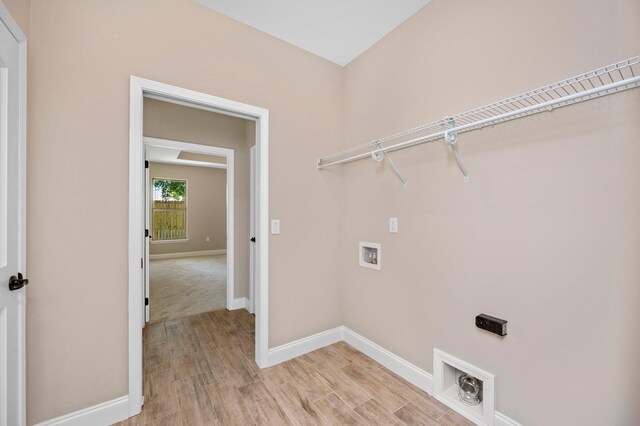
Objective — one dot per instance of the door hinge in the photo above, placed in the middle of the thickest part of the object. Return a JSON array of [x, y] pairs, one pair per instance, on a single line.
[[146, 232], [142, 263], [146, 301], [146, 164]]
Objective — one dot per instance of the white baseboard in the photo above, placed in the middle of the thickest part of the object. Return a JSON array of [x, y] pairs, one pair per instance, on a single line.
[[117, 410], [186, 254], [240, 303], [106, 413], [502, 420], [403, 368], [400, 366], [307, 344]]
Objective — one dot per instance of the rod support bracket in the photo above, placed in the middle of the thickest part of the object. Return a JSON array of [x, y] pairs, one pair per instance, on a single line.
[[451, 138], [380, 155]]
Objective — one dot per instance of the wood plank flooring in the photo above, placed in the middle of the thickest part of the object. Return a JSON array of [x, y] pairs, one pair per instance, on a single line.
[[200, 371]]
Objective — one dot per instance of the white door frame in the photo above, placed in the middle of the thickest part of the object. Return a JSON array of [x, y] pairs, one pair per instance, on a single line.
[[230, 185], [252, 227], [17, 33], [139, 88]]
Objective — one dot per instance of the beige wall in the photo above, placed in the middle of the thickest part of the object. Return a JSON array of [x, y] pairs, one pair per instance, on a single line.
[[545, 235], [82, 53], [175, 122], [206, 207]]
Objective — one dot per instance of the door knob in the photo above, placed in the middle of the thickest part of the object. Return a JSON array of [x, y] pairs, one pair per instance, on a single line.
[[16, 283]]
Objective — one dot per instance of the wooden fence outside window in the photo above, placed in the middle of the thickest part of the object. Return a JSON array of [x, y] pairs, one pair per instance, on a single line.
[[169, 220]]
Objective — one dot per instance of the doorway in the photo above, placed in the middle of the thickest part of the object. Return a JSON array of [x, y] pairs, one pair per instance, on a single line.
[[139, 89], [190, 218]]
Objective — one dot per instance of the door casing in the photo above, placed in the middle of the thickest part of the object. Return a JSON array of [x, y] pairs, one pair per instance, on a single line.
[[229, 155], [138, 89]]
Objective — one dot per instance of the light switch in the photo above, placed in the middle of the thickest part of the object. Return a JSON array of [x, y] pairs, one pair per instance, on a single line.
[[393, 225], [207, 239], [275, 227]]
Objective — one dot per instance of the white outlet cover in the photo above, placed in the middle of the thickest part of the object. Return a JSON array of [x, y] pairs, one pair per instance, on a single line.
[[393, 225], [275, 227]]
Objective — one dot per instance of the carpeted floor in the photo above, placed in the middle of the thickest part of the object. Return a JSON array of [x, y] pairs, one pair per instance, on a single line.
[[187, 286]]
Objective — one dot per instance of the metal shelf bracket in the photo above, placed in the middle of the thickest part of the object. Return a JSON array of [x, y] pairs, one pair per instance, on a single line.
[[451, 138], [380, 155]]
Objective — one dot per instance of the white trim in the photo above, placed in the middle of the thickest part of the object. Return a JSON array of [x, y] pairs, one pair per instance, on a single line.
[[193, 163], [186, 254], [483, 413], [106, 413], [403, 368], [139, 88], [22, 220], [252, 227], [184, 146], [189, 104], [502, 420], [239, 303], [363, 262], [305, 345], [116, 410], [11, 24], [400, 366], [261, 303], [137, 199], [184, 240]]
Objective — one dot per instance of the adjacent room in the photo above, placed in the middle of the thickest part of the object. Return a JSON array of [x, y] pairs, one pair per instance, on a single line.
[[364, 212], [188, 264]]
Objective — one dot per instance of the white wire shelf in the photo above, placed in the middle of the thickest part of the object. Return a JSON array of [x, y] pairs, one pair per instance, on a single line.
[[604, 81]]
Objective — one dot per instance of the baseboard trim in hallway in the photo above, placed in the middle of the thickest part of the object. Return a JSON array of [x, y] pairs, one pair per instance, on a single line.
[[241, 303], [106, 413], [117, 409], [186, 254]]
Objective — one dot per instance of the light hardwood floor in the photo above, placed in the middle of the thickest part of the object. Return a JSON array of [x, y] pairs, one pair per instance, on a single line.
[[200, 371]]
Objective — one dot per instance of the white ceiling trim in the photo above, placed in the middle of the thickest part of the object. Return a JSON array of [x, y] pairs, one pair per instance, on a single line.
[[337, 30]]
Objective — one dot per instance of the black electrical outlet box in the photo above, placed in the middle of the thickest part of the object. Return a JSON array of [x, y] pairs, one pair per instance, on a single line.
[[494, 325]]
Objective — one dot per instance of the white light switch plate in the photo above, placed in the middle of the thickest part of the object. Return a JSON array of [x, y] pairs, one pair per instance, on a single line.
[[393, 225], [275, 227]]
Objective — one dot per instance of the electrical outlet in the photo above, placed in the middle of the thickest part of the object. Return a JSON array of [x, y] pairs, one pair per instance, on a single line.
[[393, 225], [275, 227], [492, 324], [207, 239]]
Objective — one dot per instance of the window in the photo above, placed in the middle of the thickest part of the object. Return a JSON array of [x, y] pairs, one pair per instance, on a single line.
[[169, 209]]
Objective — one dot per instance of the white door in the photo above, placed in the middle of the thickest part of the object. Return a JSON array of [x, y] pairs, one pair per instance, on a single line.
[[12, 244], [252, 227]]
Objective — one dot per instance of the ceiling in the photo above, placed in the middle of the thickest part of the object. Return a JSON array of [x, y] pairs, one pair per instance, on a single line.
[[161, 154], [337, 30]]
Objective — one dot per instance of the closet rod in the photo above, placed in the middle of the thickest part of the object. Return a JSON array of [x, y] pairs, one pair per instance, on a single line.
[[540, 100]]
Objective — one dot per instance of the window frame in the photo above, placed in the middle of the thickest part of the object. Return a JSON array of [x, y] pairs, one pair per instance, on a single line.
[[186, 212]]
